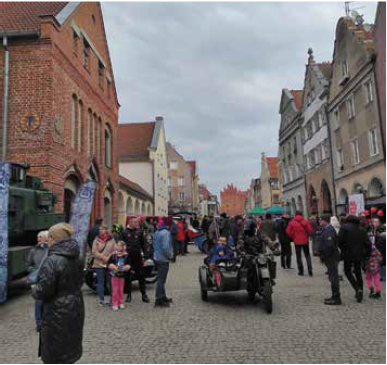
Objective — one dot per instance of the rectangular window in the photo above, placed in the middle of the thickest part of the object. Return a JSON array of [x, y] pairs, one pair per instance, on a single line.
[[86, 54], [350, 107], [355, 152], [312, 158], [336, 119], [100, 74], [295, 145], [276, 199], [181, 181], [181, 197], [369, 92], [75, 43], [373, 138], [344, 69], [316, 124], [173, 165], [325, 147], [89, 117], [108, 88], [80, 111], [73, 120], [340, 159]]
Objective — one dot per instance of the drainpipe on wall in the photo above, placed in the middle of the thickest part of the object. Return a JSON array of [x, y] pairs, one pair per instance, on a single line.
[[5, 97]]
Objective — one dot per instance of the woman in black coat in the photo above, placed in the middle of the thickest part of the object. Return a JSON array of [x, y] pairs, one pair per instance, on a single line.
[[59, 288], [355, 247]]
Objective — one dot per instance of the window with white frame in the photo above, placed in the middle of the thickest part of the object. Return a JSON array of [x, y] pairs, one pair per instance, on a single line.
[[312, 159], [369, 92], [325, 149], [318, 156], [373, 138], [181, 196], [181, 181], [344, 68], [355, 151], [340, 158], [173, 165], [350, 107], [336, 119]]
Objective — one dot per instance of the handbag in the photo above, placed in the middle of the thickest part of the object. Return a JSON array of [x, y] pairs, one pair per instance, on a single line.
[[90, 261], [33, 276]]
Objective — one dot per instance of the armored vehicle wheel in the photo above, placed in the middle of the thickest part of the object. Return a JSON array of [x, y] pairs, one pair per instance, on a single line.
[[267, 296]]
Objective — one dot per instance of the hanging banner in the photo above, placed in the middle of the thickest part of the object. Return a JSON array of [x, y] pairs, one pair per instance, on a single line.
[[356, 204], [4, 198], [80, 214]]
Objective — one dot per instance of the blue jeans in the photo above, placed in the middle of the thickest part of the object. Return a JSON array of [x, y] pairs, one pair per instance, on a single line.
[[162, 273], [100, 283], [38, 312]]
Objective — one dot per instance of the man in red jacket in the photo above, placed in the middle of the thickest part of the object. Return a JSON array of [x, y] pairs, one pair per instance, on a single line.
[[299, 230], [181, 232]]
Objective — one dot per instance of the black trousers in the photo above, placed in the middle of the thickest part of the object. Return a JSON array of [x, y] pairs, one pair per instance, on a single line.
[[141, 280], [333, 275], [352, 270], [286, 255], [175, 248], [299, 249]]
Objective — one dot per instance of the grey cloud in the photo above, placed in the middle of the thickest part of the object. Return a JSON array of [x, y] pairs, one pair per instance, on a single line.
[[215, 71]]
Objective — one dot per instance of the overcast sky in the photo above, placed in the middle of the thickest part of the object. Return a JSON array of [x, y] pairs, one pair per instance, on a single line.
[[215, 72]]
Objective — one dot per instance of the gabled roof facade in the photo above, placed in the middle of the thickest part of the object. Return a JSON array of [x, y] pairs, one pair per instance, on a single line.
[[135, 140], [135, 188]]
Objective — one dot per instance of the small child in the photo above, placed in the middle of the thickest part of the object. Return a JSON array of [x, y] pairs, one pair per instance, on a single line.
[[118, 265], [373, 266], [219, 251]]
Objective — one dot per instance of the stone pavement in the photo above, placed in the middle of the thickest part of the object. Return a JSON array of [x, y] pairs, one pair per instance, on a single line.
[[226, 329]]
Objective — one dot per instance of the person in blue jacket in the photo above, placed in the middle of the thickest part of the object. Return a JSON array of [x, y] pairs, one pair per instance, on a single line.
[[219, 251], [162, 254]]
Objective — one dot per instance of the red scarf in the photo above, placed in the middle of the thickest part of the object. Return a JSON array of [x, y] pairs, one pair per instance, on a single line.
[[105, 237]]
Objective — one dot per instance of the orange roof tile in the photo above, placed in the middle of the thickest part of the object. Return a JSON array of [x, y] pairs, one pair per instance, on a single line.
[[134, 139], [24, 16], [297, 96], [272, 164]]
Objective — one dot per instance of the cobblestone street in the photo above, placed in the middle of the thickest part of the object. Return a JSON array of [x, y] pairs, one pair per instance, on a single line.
[[227, 329]]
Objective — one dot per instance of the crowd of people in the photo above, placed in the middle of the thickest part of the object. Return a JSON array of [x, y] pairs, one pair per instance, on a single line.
[[360, 242]]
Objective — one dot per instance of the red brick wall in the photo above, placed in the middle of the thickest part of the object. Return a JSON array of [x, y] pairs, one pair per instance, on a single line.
[[232, 201], [44, 75]]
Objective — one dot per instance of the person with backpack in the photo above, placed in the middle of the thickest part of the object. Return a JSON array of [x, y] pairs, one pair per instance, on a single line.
[[285, 241], [299, 230], [330, 256]]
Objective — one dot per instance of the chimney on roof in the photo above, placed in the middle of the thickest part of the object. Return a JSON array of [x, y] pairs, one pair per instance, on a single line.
[[159, 119]]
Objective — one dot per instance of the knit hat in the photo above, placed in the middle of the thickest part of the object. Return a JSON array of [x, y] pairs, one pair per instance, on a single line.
[[326, 218], [61, 232]]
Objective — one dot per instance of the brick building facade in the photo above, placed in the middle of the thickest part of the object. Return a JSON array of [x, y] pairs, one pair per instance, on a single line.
[[62, 105], [232, 201]]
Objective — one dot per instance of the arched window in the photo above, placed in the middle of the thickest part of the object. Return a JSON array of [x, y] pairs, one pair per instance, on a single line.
[[129, 207], [94, 126], [89, 119], [80, 116], [143, 211], [121, 204], [73, 119], [108, 147], [99, 128], [137, 210], [375, 188], [149, 210], [70, 190]]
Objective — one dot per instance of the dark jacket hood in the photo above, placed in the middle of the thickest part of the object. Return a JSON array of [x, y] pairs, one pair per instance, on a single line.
[[353, 219], [65, 248]]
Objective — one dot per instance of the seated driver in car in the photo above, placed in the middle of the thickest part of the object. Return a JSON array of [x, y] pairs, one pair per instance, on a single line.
[[219, 251]]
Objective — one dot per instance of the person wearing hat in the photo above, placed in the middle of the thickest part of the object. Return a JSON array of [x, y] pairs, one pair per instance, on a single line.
[[58, 286], [330, 256]]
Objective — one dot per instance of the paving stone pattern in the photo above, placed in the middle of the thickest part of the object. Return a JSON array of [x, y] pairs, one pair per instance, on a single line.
[[226, 329]]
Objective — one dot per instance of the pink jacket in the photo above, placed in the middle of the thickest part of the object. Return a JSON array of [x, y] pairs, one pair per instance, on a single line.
[[299, 230]]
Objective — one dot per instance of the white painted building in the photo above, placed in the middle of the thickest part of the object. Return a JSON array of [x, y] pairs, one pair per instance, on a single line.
[[142, 159]]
